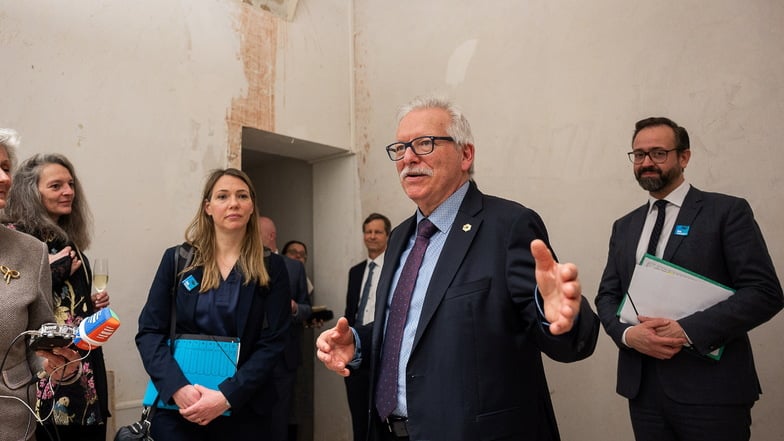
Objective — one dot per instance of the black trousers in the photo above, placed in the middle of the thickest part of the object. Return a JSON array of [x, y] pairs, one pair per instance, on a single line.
[[656, 417], [243, 425], [358, 394], [51, 432]]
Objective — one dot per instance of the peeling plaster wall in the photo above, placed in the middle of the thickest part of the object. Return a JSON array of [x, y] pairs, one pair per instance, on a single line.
[[258, 31], [553, 90], [145, 99], [137, 97]]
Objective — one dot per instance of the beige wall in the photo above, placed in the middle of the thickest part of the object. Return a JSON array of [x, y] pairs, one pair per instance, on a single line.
[[552, 90], [137, 96], [146, 98]]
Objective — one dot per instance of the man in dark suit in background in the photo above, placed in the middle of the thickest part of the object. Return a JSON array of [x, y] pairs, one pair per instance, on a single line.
[[675, 392], [285, 372], [360, 308], [466, 305]]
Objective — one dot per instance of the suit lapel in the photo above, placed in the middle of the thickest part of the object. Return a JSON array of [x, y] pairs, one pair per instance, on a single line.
[[244, 304], [187, 298], [632, 239], [692, 204], [354, 295], [456, 247]]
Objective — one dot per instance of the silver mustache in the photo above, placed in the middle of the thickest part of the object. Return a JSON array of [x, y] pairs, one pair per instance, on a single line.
[[415, 171]]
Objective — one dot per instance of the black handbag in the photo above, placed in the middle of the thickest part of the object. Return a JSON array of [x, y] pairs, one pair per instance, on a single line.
[[140, 430]]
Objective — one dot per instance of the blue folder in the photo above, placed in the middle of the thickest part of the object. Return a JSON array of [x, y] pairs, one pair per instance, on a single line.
[[206, 360]]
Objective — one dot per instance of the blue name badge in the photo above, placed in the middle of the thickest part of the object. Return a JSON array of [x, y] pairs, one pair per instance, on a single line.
[[681, 230], [190, 282]]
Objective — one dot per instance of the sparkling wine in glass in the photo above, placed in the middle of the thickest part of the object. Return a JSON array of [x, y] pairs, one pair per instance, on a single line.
[[101, 274]]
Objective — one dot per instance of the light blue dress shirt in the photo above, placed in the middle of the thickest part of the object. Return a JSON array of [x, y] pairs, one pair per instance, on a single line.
[[443, 217]]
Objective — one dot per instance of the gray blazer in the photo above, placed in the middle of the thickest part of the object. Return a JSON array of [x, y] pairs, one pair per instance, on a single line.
[[26, 304]]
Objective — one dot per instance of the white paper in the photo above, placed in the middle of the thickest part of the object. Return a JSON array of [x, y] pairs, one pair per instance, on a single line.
[[661, 289]]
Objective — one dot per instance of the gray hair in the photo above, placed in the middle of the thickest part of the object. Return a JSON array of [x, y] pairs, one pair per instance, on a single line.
[[459, 128], [10, 139], [25, 208]]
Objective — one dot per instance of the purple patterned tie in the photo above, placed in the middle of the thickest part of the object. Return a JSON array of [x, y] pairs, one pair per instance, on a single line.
[[386, 392]]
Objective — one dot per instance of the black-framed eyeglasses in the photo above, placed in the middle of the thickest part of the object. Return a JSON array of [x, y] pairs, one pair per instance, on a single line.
[[658, 156], [423, 145]]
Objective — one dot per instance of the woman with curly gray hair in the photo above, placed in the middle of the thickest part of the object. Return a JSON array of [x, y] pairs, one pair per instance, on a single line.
[[47, 201], [25, 304]]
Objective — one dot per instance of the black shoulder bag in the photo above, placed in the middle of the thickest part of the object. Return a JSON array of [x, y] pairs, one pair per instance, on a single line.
[[140, 430]]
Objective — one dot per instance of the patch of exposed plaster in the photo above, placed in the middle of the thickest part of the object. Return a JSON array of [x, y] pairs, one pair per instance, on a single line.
[[258, 32]]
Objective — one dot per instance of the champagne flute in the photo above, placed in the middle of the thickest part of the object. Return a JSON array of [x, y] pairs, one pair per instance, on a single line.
[[101, 274]]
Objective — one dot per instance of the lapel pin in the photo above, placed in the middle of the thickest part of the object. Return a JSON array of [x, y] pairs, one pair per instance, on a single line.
[[190, 282], [467, 228], [9, 274]]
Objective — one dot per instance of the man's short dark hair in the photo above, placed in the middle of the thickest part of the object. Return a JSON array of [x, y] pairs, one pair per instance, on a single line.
[[293, 242], [681, 135], [376, 216]]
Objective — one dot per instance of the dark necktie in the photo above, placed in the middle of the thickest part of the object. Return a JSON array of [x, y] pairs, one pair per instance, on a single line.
[[660, 205], [386, 392], [365, 294]]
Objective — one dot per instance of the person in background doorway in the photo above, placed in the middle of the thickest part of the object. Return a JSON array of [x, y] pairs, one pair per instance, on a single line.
[[675, 391], [268, 233], [285, 374], [48, 201], [303, 392], [360, 309], [297, 250]]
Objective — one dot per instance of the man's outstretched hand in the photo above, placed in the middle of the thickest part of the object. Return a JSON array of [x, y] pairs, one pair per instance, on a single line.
[[335, 347], [559, 288]]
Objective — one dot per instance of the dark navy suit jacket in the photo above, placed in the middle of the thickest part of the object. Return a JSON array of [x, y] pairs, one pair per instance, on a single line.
[[475, 370], [358, 383], [353, 295], [263, 320], [724, 243], [292, 354]]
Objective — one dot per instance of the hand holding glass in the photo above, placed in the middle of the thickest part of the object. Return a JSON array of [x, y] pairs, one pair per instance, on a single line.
[[101, 274]]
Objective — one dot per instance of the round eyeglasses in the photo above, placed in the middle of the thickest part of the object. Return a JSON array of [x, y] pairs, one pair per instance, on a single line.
[[658, 156], [422, 145]]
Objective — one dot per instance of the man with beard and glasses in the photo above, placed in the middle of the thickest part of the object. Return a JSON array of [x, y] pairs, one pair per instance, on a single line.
[[677, 384]]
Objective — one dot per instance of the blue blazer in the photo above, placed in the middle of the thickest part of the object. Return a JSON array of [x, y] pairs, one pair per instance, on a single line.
[[724, 243], [475, 370], [263, 319]]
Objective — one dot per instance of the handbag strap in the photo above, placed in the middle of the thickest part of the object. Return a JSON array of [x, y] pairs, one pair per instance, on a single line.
[[187, 249], [181, 251]]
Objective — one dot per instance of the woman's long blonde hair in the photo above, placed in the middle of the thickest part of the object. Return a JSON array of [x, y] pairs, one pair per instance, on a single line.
[[201, 235]]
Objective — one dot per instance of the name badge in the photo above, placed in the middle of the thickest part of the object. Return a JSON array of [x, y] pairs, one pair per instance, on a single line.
[[190, 282], [681, 230]]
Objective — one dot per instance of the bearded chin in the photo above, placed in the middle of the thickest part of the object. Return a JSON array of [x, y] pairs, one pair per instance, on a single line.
[[651, 184]]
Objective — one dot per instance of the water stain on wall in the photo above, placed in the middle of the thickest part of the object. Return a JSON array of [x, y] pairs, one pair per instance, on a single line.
[[258, 31]]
